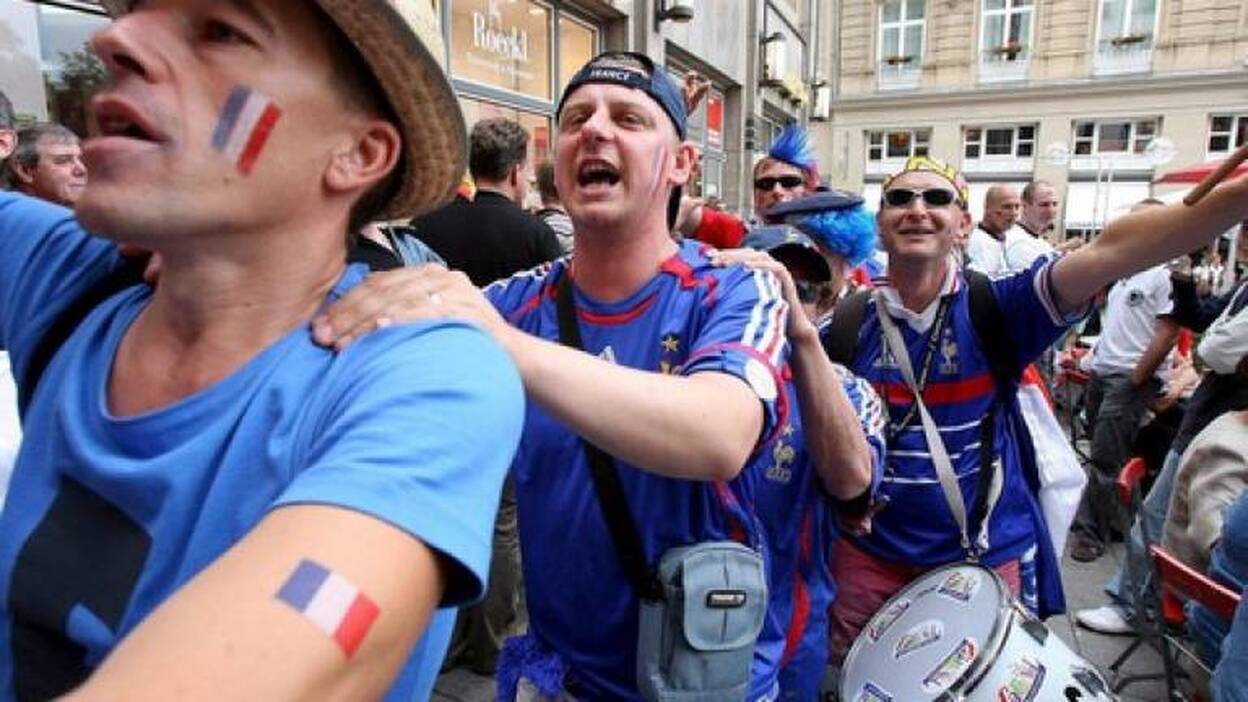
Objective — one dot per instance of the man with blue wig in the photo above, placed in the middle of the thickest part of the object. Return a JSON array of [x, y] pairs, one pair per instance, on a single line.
[[787, 172]]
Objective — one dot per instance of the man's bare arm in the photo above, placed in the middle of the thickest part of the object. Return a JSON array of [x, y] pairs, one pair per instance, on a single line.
[[702, 427], [1141, 239], [1165, 334], [231, 634]]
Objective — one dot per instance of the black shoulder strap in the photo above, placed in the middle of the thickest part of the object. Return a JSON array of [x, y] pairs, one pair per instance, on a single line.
[[607, 483], [992, 332], [840, 341]]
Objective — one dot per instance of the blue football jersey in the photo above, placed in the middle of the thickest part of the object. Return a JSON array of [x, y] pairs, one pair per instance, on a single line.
[[691, 317]]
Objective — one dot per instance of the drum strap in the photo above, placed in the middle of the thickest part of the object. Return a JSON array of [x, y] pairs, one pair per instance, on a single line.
[[607, 484], [936, 444]]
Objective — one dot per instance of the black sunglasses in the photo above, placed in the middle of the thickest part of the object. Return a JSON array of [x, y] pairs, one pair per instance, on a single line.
[[932, 197], [788, 182]]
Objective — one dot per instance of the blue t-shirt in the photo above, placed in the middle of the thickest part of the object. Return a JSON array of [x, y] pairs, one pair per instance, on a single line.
[[917, 527], [796, 515], [690, 318], [107, 516]]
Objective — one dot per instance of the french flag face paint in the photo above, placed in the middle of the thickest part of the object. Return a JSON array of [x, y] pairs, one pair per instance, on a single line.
[[245, 124], [332, 603]]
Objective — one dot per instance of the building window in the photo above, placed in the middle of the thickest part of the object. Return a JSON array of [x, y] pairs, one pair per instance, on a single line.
[[1007, 29], [1125, 36], [503, 45], [999, 142], [1117, 138], [901, 31], [1227, 133], [901, 144]]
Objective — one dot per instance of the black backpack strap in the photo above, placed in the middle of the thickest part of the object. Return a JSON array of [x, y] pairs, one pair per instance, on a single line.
[[990, 328], [607, 484], [840, 338], [126, 275]]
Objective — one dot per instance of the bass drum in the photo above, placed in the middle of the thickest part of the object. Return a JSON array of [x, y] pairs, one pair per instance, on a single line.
[[956, 634]]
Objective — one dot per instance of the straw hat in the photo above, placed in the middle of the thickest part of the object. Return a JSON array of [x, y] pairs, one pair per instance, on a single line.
[[402, 42]]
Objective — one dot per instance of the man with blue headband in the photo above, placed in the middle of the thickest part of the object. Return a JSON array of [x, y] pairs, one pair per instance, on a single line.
[[787, 172], [673, 396]]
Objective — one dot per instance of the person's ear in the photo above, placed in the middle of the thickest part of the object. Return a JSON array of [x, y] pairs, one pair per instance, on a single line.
[[371, 155], [22, 174], [8, 142], [682, 167]]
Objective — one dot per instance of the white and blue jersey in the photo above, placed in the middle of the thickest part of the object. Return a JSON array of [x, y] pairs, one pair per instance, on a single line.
[[800, 526], [917, 527], [689, 318], [108, 516]]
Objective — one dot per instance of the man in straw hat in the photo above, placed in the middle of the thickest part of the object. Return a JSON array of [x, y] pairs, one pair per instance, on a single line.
[[209, 505], [678, 384]]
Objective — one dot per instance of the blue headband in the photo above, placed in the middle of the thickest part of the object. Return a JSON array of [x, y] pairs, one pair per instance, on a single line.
[[637, 71]]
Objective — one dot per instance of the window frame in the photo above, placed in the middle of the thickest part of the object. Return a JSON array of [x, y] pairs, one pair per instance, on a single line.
[[1016, 140], [902, 23], [989, 53], [1134, 138], [879, 138], [1239, 124], [1124, 23]]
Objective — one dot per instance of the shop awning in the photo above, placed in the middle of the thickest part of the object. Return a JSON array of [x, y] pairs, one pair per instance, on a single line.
[[1089, 205], [1197, 173]]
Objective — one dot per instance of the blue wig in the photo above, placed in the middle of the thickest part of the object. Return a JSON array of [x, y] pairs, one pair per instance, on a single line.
[[793, 147], [849, 233]]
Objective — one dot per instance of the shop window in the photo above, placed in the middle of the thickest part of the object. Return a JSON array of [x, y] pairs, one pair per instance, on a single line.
[[48, 69], [537, 125], [1227, 133], [899, 144], [578, 43], [1114, 137], [999, 142], [504, 45]]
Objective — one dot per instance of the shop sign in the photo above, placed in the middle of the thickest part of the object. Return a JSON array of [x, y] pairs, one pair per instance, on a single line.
[[502, 44], [715, 119]]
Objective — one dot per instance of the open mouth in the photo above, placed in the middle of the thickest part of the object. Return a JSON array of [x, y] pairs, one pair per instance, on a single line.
[[118, 119], [597, 173]]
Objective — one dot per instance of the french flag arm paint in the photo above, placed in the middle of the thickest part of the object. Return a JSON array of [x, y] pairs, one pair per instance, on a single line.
[[245, 124], [331, 602]]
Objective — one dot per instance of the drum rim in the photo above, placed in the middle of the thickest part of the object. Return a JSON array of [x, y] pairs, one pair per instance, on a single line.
[[976, 672]]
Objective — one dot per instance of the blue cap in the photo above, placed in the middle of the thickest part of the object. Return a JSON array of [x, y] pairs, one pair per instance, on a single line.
[[817, 202], [637, 71], [789, 246], [834, 218]]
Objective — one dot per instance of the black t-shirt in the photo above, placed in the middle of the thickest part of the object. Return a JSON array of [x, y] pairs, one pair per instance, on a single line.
[[487, 238]]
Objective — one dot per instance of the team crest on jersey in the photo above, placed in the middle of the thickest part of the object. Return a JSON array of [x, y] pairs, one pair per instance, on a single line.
[[782, 456], [669, 350], [949, 354], [607, 354]]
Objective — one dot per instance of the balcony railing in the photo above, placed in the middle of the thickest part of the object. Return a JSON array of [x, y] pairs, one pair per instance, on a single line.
[[1004, 63], [1131, 53], [899, 73]]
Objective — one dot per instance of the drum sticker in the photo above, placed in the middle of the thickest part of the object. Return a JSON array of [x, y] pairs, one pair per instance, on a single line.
[[952, 668], [1026, 678], [960, 586], [881, 623], [918, 636], [871, 693]]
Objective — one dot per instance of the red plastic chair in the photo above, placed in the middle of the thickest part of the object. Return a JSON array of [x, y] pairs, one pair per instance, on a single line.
[[1179, 582], [1131, 494]]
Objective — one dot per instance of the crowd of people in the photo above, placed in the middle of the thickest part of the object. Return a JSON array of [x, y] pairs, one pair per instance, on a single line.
[[625, 446]]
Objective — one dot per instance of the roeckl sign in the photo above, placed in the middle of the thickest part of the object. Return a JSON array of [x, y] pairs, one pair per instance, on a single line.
[[489, 34]]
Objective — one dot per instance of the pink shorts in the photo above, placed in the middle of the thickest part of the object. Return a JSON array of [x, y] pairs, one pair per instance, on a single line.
[[864, 583]]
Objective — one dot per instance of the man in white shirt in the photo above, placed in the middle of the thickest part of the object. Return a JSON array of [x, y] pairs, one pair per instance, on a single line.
[[986, 250], [1136, 337]]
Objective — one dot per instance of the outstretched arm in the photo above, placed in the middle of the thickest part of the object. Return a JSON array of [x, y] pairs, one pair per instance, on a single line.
[[1145, 238]]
